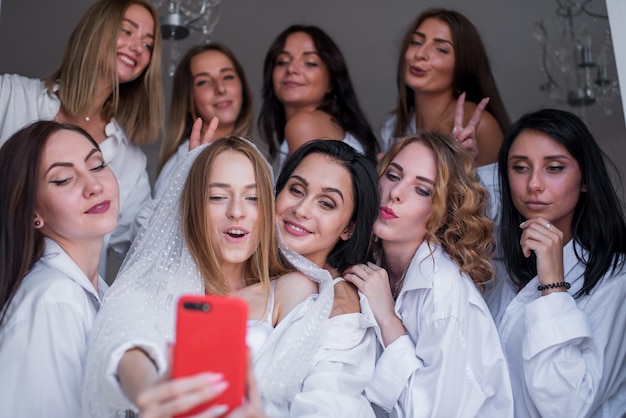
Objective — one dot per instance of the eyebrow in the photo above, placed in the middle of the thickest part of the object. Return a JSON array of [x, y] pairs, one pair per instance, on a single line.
[[222, 70], [324, 189], [547, 157], [304, 53], [136, 26], [228, 185], [399, 168], [62, 164], [440, 40]]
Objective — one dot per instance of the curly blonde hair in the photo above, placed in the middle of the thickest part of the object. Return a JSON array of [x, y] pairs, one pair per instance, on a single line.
[[458, 220]]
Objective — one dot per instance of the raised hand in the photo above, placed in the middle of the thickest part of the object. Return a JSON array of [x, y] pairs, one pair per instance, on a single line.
[[546, 241], [196, 138], [467, 135]]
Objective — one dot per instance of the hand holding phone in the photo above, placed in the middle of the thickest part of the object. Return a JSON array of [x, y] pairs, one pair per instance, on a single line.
[[211, 337]]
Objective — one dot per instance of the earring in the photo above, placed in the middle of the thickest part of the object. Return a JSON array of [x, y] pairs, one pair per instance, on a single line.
[[37, 223]]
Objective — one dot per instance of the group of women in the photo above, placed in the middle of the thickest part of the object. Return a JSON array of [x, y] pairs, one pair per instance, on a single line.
[[470, 274]]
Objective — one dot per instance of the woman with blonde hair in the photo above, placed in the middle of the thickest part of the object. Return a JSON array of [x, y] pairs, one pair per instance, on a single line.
[[209, 82], [108, 83], [441, 355], [212, 232]]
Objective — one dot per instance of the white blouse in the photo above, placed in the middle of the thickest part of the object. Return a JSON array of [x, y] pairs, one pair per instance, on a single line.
[[43, 338], [567, 357], [450, 363], [24, 100]]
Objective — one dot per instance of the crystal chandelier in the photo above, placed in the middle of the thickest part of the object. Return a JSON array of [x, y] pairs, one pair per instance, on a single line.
[[185, 23], [576, 56]]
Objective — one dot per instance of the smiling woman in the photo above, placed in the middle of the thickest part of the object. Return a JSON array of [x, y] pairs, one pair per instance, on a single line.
[[61, 200], [109, 84], [209, 82]]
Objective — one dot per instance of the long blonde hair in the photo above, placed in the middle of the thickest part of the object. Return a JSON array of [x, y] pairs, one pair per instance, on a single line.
[[265, 263], [136, 105], [458, 220]]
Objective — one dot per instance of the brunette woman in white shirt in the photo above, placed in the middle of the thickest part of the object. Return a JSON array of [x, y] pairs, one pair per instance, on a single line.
[[559, 303], [441, 351], [59, 201], [109, 83]]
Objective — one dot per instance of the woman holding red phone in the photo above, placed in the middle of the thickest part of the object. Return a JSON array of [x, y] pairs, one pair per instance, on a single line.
[[212, 232]]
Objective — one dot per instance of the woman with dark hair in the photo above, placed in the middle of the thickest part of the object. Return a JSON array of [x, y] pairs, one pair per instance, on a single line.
[[441, 355], [59, 201], [559, 301], [326, 204], [109, 83], [307, 94], [443, 74], [209, 82]]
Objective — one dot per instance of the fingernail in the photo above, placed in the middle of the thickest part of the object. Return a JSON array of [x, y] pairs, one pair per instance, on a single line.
[[218, 410], [213, 377], [522, 224]]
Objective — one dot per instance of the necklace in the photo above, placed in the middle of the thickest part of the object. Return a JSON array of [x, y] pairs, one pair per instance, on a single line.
[[399, 283]]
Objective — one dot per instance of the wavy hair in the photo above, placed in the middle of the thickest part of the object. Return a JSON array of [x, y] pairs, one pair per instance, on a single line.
[[340, 102], [21, 245], [182, 110], [265, 263], [356, 249], [598, 225], [472, 72], [458, 221], [90, 57]]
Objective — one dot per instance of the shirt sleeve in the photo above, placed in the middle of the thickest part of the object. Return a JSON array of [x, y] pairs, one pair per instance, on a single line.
[[574, 356], [431, 378], [342, 367]]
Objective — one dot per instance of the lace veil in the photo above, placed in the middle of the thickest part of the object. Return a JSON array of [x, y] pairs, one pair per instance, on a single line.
[[139, 311], [139, 308]]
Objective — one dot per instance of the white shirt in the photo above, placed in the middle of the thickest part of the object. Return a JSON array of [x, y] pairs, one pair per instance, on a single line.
[[43, 339], [24, 100], [348, 139], [567, 357], [450, 363]]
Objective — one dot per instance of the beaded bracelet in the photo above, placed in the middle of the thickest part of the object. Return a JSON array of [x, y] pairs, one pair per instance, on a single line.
[[543, 287]]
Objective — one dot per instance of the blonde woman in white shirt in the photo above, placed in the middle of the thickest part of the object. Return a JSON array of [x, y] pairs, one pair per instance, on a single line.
[[59, 200], [441, 354], [109, 83]]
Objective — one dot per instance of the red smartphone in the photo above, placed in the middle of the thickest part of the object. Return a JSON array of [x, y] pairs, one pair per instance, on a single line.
[[211, 337]]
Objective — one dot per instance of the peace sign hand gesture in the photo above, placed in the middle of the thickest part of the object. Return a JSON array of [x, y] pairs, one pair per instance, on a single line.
[[467, 135]]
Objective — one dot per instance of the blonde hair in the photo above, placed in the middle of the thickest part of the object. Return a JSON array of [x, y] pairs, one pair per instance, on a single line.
[[136, 105], [265, 263], [183, 111], [458, 221]]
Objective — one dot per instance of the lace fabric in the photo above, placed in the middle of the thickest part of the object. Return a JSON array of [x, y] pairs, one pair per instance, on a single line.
[[139, 311], [139, 308]]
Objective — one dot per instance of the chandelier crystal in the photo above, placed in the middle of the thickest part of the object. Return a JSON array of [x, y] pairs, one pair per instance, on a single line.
[[576, 56], [185, 23]]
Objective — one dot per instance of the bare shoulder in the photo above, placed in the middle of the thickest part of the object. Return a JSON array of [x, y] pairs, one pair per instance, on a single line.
[[346, 299], [290, 290], [315, 124]]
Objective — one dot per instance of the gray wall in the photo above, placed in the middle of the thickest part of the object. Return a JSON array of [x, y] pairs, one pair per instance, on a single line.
[[33, 34]]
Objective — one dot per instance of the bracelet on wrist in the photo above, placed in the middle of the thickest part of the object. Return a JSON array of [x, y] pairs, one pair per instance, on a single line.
[[543, 287]]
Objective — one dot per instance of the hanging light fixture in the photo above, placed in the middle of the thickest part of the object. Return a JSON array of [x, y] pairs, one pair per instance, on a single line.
[[185, 23], [576, 69]]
